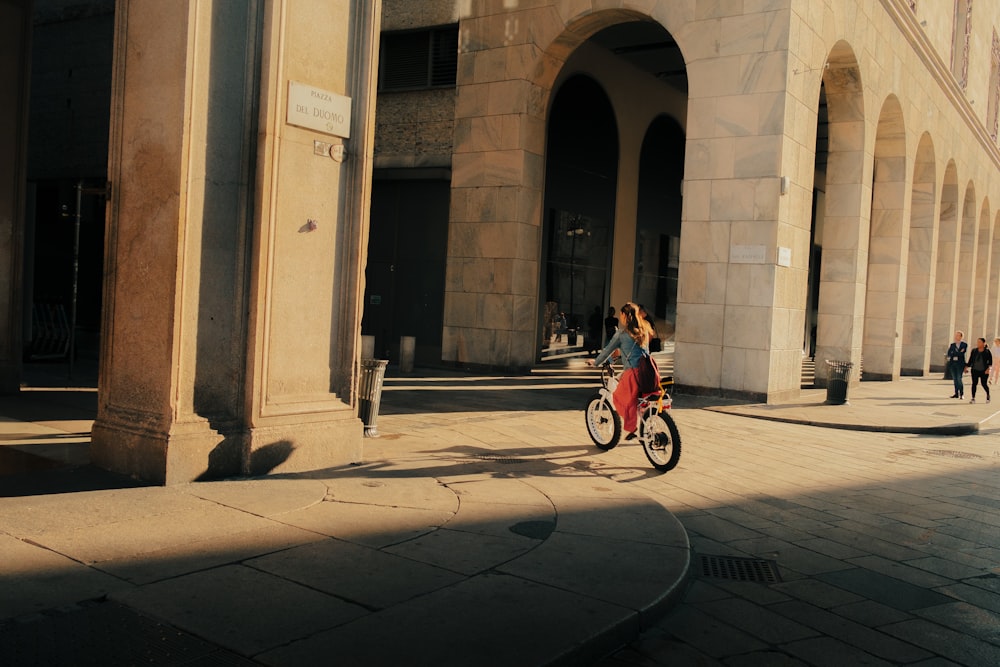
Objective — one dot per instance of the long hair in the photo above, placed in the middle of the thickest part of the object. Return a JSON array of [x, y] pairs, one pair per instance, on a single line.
[[636, 326]]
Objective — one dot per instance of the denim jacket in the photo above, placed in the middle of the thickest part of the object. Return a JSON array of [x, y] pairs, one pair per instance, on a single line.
[[631, 350]]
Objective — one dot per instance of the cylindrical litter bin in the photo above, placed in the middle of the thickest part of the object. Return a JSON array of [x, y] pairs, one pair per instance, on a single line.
[[838, 377], [370, 393], [571, 338]]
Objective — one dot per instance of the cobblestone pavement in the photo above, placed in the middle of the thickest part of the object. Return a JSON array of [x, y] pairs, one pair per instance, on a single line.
[[887, 545]]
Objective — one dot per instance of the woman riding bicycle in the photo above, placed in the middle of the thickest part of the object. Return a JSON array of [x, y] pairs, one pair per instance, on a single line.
[[631, 340]]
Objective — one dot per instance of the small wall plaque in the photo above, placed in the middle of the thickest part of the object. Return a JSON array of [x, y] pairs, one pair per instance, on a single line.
[[318, 109]]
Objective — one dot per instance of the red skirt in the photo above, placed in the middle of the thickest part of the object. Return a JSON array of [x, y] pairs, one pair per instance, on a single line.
[[626, 399]]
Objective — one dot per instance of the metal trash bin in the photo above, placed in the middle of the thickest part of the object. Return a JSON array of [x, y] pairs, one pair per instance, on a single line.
[[571, 337], [837, 380], [370, 393]]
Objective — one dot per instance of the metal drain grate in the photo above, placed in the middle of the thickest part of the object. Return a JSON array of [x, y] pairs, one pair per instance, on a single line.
[[740, 569], [503, 459]]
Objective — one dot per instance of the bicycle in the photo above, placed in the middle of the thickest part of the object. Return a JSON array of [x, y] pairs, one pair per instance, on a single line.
[[656, 432]]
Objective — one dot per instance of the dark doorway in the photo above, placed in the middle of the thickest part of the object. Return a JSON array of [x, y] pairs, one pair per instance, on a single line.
[[580, 188], [658, 228], [404, 280]]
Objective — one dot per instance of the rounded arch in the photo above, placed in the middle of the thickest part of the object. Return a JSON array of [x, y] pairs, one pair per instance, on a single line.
[[946, 267], [841, 221], [887, 247], [981, 275], [917, 310]]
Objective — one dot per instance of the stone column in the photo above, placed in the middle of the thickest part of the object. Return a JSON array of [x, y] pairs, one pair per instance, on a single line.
[[15, 57], [920, 268], [846, 229], [231, 321], [626, 210], [494, 234]]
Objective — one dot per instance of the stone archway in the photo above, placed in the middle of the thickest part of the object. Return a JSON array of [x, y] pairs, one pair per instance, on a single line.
[[505, 84], [887, 247], [921, 254], [840, 307], [946, 269]]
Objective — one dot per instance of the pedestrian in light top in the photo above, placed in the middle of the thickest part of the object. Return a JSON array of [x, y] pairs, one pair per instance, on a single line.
[[956, 363], [631, 340], [980, 361], [995, 371]]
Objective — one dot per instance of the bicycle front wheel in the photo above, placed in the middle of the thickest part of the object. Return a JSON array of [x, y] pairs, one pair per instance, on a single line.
[[660, 439], [603, 423]]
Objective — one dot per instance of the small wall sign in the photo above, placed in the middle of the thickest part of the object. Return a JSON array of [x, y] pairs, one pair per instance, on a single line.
[[318, 109]]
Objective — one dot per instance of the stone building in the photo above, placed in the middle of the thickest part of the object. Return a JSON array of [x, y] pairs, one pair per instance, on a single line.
[[222, 153], [775, 177]]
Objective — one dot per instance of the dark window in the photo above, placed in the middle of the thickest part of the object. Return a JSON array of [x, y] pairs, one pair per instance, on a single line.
[[419, 59]]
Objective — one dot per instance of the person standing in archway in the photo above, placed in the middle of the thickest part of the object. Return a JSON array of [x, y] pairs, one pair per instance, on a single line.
[[980, 361], [956, 363]]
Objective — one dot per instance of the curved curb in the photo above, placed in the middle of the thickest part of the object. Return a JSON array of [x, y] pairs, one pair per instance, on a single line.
[[966, 428]]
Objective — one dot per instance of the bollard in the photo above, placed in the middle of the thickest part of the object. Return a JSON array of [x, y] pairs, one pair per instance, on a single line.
[[370, 393], [407, 348]]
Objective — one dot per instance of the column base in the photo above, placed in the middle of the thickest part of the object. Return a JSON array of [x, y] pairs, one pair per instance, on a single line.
[[198, 451]]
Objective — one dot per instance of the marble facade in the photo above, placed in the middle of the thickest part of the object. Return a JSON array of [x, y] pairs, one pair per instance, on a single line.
[[906, 194]]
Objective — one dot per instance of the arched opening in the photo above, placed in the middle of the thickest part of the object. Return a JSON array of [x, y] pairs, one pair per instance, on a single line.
[[658, 222], [613, 163], [580, 190], [966, 262], [980, 285], [919, 265], [946, 270], [886, 248], [841, 210]]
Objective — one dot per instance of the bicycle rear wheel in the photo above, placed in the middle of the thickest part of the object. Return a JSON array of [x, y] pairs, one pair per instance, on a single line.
[[603, 423], [660, 439]]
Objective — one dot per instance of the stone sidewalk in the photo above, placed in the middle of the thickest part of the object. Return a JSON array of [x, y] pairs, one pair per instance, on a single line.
[[483, 527]]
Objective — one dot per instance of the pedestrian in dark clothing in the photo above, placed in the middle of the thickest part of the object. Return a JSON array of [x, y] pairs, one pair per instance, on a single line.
[[611, 323], [956, 363], [594, 329], [980, 361]]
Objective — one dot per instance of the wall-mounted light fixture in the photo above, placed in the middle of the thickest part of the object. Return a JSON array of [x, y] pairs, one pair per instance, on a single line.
[[784, 185]]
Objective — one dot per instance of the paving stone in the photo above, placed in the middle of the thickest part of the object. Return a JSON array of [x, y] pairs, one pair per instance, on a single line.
[[240, 608], [33, 579], [976, 596], [756, 620], [790, 556], [871, 614], [371, 525], [966, 618], [764, 659], [538, 625], [831, 548], [817, 592], [709, 635], [718, 529], [465, 553], [949, 568], [853, 634], [901, 571], [355, 573], [645, 571], [953, 645], [828, 652], [881, 588]]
